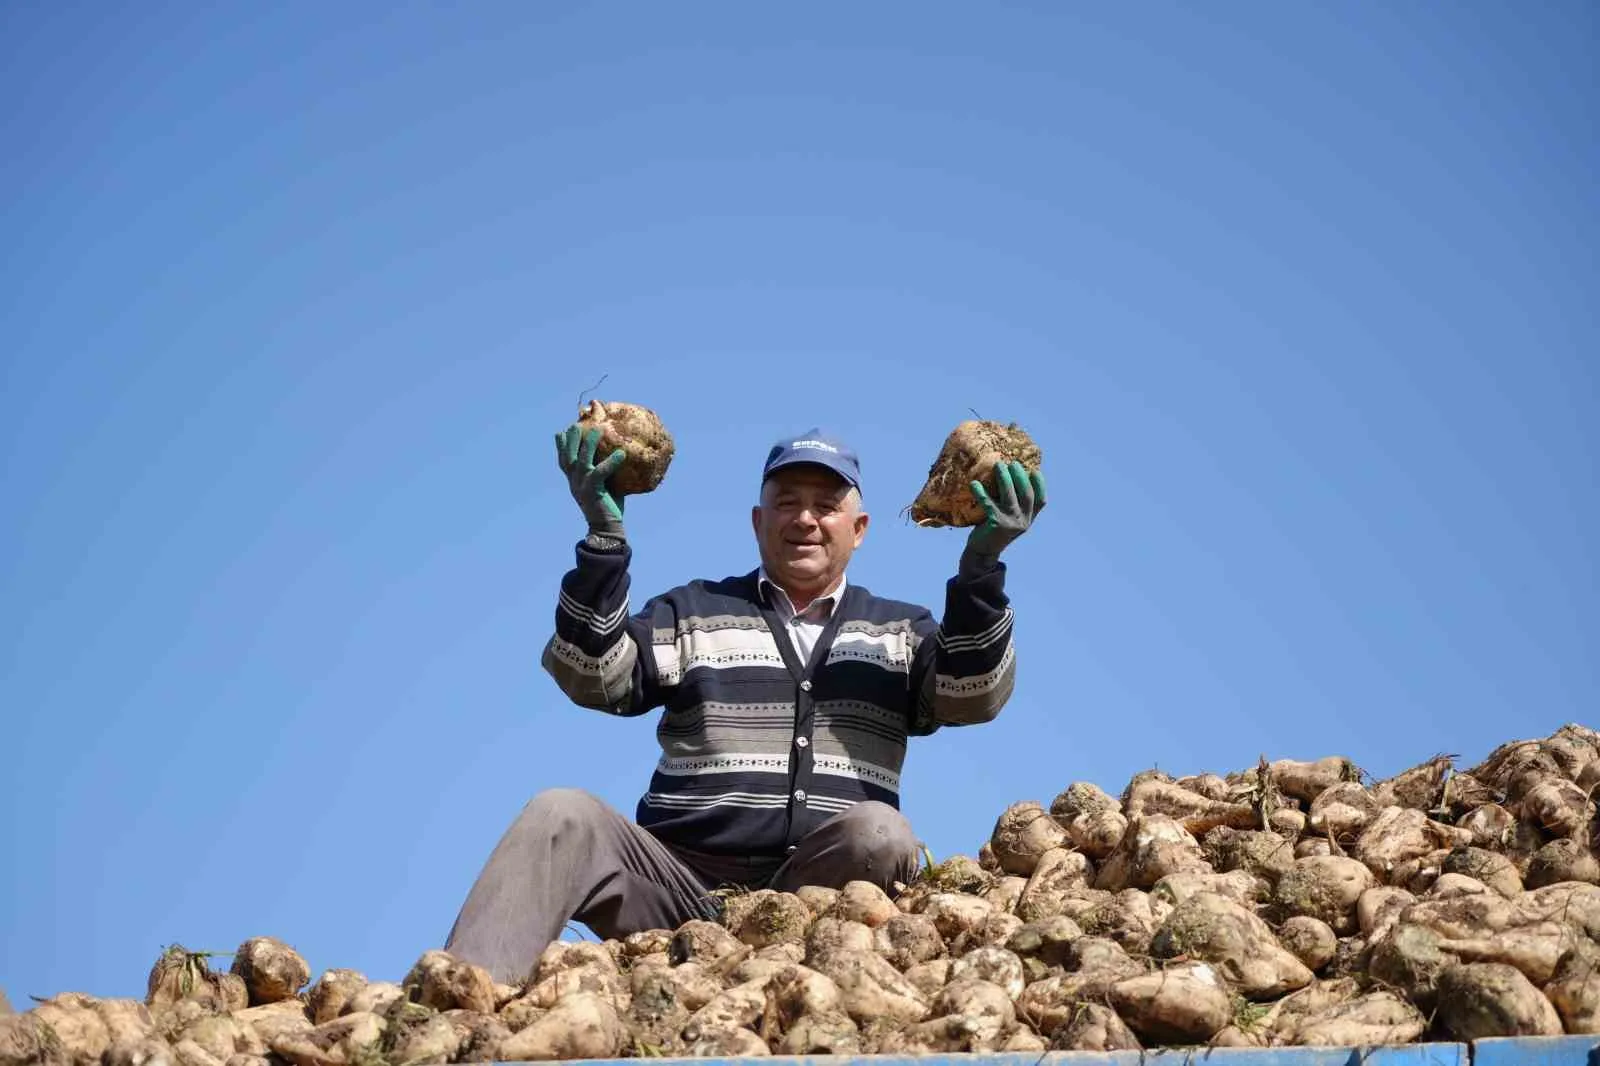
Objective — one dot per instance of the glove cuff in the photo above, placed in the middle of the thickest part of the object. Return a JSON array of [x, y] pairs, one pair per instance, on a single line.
[[605, 540]]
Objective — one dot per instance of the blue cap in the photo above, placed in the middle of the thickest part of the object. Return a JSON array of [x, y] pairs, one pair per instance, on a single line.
[[815, 446]]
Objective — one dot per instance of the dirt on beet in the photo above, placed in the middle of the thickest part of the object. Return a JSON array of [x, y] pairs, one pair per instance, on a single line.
[[641, 435], [969, 454]]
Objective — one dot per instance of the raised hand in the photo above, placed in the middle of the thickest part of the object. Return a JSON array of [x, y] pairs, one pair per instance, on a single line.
[[1018, 499], [602, 509]]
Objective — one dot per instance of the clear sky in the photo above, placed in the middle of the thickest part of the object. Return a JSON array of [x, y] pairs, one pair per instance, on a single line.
[[1298, 299]]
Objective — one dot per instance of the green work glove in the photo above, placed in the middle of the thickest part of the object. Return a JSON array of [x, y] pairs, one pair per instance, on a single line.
[[601, 508], [1018, 500]]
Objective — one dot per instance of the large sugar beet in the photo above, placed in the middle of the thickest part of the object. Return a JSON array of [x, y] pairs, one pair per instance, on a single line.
[[1059, 873], [994, 931], [1510, 760], [1022, 835], [442, 982], [1004, 891], [180, 974], [657, 1012], [1419, 788], [1450, 885], [822, 1034], [1563, 860], [1048, 940], [1197, 813], [1211, 786], [1128, 919], [1305, 781], [728, 1043], [1490, 824], [907, 939], [1092, 818], [1397, 835], [872, 989], [1485, 999], [774, 918], [1153, 847], [73, 1029], [968, 1015], [1238, 944], [704, 942], [1380, 907], [1094, 1028], [1281, 1020], [1237, 885], [1575, 905], [333, 992], [344, 1041], [798, 991], [639, 432], [1259, 852], [994, 965], [1375, 1019], [1575, 748], [1533, 949], [969, 454], [418, 1036], [223, 1036], [270, 969], [271, 1020], [1051, 1002], [1494, 870], [864, 902], [581, 1026], [1186, 1004], [1310, 940], [1325, 887], [829, 934], [957, 916], [1575, 989], [481, 1036], [1558, 807], [1459, 917], [732, 1008], [1342, 811], [1409, 957]]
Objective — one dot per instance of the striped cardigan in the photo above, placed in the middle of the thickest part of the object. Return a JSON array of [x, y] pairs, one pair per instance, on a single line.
[[758, 748]]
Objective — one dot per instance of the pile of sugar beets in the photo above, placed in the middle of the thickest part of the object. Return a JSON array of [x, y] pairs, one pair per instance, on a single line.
[[1292, 903]]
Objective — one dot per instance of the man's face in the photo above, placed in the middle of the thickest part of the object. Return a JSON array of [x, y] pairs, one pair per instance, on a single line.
[[807, 526]]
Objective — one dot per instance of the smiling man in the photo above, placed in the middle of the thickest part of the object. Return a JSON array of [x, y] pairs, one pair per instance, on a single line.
[[788, 696]]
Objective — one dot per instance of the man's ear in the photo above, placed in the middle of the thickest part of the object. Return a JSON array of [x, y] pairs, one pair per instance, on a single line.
[[755, 519], [862, 521]]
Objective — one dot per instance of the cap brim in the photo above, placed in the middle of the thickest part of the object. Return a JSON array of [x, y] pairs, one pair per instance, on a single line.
[[807, 460]]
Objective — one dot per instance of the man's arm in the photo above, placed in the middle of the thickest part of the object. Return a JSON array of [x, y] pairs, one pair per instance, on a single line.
[[602, 658], [599, 656], [965, 666]]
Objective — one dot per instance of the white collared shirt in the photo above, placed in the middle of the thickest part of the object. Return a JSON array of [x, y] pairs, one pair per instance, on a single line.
[[806, 627]]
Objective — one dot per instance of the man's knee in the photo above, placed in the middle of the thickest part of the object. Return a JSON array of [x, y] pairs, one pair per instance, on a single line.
[[564, 801], [563, 811], [876, 830]]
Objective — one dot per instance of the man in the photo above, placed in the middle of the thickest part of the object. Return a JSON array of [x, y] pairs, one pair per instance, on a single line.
[[788, 693]]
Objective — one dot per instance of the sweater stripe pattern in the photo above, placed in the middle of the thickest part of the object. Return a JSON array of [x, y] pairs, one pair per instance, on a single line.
[[758, 748]]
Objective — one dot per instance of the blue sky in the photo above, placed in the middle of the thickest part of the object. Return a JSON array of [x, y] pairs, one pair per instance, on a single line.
[[1295, 297]]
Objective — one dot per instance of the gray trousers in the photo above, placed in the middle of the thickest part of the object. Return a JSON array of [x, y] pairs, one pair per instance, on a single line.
[[570, 856]]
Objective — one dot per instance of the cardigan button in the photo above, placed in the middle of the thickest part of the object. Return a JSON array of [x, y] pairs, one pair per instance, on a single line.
[[800, 795], [801, 742], [805, 686]]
